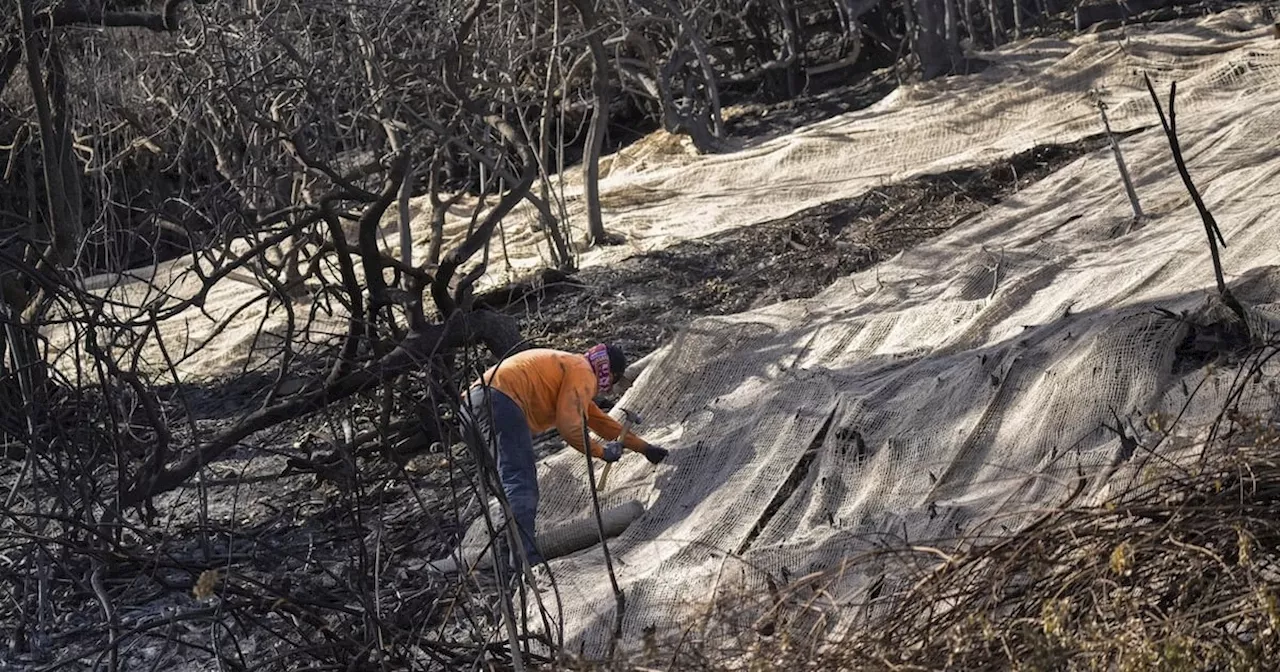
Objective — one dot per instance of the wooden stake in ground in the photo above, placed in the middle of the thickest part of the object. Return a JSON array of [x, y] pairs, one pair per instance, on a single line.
[[1124, 170]]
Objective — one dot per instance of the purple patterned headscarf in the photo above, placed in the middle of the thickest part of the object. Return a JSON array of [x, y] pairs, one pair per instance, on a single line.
[[598, 357]]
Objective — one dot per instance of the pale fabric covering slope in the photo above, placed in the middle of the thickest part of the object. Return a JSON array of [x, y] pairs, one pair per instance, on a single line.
[[967, 383], [1036, 92], [658, 192]]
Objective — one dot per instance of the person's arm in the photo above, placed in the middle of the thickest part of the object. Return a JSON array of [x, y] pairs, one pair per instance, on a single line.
[[574, 402], [603, 424]]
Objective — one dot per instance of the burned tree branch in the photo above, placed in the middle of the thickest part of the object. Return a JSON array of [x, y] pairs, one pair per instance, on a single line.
[[73, 14], [480, 236], [1120, 164], [1211, 230], [409, 354], [599, 120], [10, 57], [367, 236], [350, 283]]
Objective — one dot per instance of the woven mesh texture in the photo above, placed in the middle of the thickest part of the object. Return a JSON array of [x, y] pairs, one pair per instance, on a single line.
[[963, 385], [968, 384], [658, 192]]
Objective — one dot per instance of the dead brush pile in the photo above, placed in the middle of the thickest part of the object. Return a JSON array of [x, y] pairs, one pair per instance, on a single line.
[[1181, 577]]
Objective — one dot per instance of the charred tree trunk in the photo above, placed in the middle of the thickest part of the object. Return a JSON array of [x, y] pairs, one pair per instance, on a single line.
[[710, 117], [791, 41], [971, 21], [993, 13], [938, 56], [952, 25], [596, 234], [910, 25], [61, 185], [10, 57]]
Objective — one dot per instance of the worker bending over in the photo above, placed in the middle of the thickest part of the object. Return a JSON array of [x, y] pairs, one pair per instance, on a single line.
[[529, 393]]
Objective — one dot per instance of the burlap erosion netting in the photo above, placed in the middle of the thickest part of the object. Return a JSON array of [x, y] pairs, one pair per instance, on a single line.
[[1035, 92], [658, 192], [965, 386], [962, 384]]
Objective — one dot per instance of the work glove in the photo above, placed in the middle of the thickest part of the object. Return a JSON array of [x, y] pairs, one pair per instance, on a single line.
[[655, 454], [612, 451]]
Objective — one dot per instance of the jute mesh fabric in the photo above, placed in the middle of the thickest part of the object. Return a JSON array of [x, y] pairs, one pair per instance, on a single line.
[[963, 385], [973, 382], [1036, 92], [659, 192]]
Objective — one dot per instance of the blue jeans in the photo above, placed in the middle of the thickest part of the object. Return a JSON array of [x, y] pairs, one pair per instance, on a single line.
[[498, 423]]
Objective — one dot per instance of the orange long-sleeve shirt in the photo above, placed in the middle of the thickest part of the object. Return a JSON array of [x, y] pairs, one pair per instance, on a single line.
[[556, 388]]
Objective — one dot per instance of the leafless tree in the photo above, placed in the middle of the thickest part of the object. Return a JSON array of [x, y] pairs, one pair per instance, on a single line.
[[263, 145]]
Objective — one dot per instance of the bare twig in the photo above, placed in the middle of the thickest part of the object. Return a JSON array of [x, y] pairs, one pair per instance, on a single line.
[[619, 597], [1211, 229]]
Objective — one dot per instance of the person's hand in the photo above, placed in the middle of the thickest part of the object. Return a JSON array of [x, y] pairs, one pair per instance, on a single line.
[[655, 454], [612, 451]]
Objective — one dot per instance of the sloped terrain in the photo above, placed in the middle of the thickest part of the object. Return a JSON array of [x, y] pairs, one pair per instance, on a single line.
[[659, 192], [1007, 366], [957, 389], [640, 302]]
